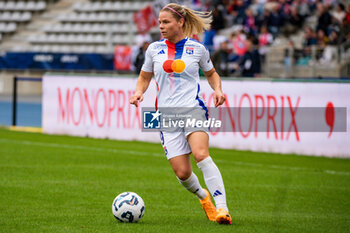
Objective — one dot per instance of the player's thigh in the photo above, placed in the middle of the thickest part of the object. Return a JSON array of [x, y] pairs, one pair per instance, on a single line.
[[182, 166], [174, 143], [199, 143]]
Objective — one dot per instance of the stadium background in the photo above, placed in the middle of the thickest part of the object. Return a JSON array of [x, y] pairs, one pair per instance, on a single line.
[[299, 42], [268, 41]]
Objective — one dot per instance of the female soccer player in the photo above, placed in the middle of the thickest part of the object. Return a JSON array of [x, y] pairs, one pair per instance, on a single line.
[[178, 86]]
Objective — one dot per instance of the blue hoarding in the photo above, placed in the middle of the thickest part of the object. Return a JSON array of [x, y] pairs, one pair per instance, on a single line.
[[57, 61]]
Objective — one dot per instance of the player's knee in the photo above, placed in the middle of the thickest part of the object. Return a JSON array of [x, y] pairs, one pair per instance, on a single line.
[[199, 155], [183, 174]]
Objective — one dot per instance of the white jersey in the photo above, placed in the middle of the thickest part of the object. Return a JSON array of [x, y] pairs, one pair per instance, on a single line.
[[178, 89]]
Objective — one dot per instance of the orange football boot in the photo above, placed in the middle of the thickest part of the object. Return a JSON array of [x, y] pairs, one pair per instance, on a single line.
[[209, 207], [223, 217]]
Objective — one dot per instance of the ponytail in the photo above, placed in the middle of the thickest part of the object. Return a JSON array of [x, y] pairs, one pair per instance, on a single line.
[[195, 22]]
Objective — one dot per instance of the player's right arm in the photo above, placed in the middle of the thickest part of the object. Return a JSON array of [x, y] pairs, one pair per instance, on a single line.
[[141, 86]]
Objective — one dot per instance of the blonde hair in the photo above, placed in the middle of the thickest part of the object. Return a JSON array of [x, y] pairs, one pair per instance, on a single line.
[[195, 22]]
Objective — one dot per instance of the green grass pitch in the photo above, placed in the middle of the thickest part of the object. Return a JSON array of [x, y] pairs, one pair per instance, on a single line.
[[67, 184]]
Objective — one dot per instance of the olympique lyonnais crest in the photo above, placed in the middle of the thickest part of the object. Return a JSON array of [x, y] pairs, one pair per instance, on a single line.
[[189, 50]]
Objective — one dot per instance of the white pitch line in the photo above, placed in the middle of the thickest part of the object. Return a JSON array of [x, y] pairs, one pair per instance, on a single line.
[[337, 173], [67, 146], [283, 167], [141, 153]]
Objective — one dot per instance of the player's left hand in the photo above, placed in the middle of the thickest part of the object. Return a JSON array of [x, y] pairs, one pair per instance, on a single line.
[[219, 98]]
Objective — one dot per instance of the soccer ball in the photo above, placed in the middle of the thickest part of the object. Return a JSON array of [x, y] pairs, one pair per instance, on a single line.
[[128, 207]]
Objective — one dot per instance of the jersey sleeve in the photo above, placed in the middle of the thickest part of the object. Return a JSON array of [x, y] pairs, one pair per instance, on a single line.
[[148, 64], [205, 62]]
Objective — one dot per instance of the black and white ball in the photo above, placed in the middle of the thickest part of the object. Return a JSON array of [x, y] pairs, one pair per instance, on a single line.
[[128, 207]]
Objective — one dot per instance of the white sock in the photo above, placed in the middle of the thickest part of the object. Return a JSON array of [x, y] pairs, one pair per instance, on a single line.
[[214, 182], [192, 184]]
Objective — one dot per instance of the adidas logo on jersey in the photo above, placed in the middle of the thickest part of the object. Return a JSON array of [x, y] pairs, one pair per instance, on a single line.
[[161, 52], [217, 193]]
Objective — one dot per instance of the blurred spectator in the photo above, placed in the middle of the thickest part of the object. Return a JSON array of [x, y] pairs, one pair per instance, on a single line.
[[304, 57], [231, 13], [347, 15], [238, 39], [239, 12], [264, 20], [329, 54], [304, 7], [322, 38], [310, 37], [265, 39], [324, 18], [275, 20], [260, 6], [249, 22], [140, 58], [289, 60], [284, 8], [218, 18], [250, 65], [220, 59], [293, 24], [217, 24], [339, 13], [334, 38]]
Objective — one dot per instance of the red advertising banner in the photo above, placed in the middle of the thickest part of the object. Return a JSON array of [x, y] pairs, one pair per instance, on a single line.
[[145, 19], [257, 115], [122, 58]]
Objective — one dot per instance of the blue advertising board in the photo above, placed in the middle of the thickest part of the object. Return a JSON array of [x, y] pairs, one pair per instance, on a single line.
[[57, 61]]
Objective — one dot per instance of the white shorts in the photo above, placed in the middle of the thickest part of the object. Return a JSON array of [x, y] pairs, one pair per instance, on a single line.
[[175, 143], [174, 139]]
